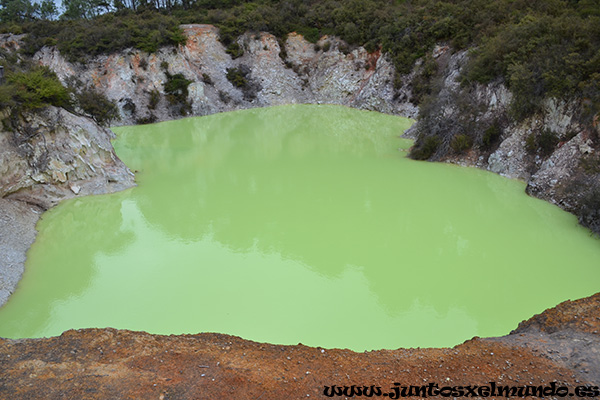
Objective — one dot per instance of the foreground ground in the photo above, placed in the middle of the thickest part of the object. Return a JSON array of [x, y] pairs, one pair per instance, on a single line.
[[560, 345]]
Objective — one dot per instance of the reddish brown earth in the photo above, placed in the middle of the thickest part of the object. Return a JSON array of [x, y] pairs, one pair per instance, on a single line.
[[114, 364]]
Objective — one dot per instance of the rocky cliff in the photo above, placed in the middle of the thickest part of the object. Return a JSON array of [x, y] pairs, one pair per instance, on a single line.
[[301, 72]]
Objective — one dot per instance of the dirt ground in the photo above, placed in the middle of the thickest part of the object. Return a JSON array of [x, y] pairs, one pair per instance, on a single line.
[[561, 345]]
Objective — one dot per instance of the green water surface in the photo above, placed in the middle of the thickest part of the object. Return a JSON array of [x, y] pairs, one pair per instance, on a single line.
[[300, 224]]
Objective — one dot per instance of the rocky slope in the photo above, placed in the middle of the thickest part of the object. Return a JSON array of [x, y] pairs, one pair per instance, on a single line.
[[46, 157], [108, 363], [307, 74]]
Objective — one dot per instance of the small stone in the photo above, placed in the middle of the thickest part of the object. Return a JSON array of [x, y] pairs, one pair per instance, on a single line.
[[75, 188]]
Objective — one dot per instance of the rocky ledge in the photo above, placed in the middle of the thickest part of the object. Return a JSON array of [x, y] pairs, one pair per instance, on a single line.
[[118, 364]]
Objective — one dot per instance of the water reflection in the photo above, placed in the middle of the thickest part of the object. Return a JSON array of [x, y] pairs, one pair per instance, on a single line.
[[303, 224]]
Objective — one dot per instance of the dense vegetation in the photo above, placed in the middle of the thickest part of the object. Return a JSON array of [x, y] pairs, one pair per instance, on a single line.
[[29, 87], [539, 48]]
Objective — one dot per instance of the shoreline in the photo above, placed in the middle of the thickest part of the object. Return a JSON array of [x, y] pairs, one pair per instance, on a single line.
[[557, 347]]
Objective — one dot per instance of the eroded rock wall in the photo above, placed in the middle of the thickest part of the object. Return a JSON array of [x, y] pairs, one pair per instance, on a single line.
[[53, 154], [308, 74]]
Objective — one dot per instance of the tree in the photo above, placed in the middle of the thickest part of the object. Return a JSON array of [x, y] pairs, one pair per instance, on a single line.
[[85, 9], [17, 11]]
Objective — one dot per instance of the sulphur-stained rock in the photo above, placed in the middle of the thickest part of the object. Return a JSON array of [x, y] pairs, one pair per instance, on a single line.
[[278, 83]]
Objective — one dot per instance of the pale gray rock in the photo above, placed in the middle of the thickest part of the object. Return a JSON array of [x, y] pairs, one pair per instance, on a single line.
[[358, 78]]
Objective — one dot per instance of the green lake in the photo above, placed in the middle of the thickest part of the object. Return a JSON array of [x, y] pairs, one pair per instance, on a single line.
[[302, 224]]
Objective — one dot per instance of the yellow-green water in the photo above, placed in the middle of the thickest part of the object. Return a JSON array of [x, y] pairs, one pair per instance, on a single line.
[[300, 224]]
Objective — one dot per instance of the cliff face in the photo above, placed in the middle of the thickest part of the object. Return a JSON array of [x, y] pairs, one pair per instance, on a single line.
[[52, 155], [307, 75]]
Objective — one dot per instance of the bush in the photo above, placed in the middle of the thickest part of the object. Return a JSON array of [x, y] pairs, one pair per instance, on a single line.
[[102, 110], [79, 39], [237, 77], [547, 142], [543, 143], [235, 50], [461, 143], [425, 149], [154, 98], [176, 88], [150, 119], [490, 136], [37, 88]]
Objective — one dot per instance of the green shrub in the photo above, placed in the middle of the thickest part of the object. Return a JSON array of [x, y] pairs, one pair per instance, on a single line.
[[547, 142], [38, 88], [150, 119], [461, 143], [102, 110], [543, 143], [490, 136], [531, 143], [154, 98], [78, 39], [235, 50], [237, 77], [421, 82], [176, 87], [426, 148]]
